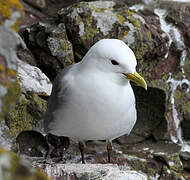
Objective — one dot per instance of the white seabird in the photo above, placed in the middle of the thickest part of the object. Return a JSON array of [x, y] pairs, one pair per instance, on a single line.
[[93, 99]]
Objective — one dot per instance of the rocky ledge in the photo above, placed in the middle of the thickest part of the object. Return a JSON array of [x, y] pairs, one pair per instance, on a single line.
[[55, 34]]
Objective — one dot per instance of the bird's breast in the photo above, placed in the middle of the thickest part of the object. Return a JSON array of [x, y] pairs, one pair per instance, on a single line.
[[98, 110]]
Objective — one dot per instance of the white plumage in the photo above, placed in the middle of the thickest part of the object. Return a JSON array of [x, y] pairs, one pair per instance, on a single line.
[[93, 99]]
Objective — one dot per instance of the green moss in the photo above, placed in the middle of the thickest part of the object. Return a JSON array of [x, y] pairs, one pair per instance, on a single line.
[[176, 163], [187, 67], [8, 101], [186, 107], [177, 94], [143, 166], [28, 113], [37, 106], [182, 99], [18, 119], [148, 33], [141, 50]]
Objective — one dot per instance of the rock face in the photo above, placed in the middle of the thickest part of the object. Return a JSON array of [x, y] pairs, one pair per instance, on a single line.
[[27, 114], [91, 171], [50, 46], [11, 13], [87, 23], [158, 33], [33, 82], [37, 147], [12, 167]]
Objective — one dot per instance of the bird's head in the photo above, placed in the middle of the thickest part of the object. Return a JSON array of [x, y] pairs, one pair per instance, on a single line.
[[114, 56]]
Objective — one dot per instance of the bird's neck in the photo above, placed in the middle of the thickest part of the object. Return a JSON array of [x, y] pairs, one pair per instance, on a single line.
[[90, 70]]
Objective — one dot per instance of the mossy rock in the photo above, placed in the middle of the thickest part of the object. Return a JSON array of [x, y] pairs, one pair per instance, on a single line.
[[88, 22], [27, 114], [175, 163], [14, 168], [171, 174], [12, 92], [50, 46]]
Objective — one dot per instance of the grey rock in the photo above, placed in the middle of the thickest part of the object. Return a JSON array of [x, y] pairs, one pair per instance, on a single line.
[[32, 143]]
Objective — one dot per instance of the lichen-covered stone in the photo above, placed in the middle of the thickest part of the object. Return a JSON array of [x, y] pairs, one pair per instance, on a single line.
[[50, 46], [92, 171], [37, 147], [32, 79], [12, 93], [12, 167], [11, 13], [87, 22], [27, 114]]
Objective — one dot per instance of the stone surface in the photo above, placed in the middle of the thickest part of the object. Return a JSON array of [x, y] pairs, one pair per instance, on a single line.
[[27, 114], [37, 147], [92, 171], [12, 167], [158, 32], [59, 146], [86, 23], [31, 79], [6, 141], [50, 46], [11, 13], [152, 160]]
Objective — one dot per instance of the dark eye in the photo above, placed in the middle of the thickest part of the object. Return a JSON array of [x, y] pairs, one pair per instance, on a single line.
[[114, 62]]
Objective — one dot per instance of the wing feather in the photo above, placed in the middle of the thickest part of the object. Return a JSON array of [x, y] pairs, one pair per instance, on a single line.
[[57, 98]]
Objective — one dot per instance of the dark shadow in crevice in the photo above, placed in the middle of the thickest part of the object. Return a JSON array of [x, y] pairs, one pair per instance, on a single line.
[[151, 108]]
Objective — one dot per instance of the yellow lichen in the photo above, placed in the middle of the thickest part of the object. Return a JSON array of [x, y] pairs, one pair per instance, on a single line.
[[7, 6], [13, 91], [120, 18], [132, 19], [4, 83], [186, 107], [148, 33], [35, 94], [2, 76], [11, 72], [2, 68]]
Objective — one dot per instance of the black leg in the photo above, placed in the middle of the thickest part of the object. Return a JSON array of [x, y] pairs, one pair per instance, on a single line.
[[81, 148], [109, 150]]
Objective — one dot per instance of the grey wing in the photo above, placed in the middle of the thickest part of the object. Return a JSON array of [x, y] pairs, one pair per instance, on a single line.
[[57, 98]]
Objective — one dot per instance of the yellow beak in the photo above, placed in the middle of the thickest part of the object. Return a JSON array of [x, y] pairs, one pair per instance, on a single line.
[[137, 79]]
